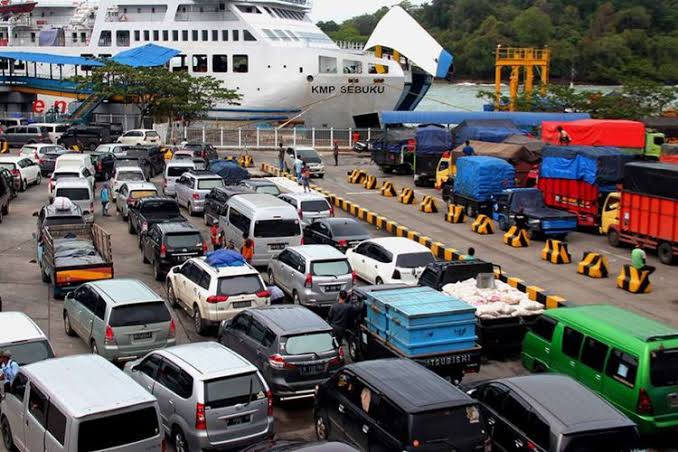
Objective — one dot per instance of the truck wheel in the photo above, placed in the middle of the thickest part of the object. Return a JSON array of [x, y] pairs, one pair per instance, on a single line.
[[613, 238], [7, 439], [354, 349], [665, 253], [171, 297]]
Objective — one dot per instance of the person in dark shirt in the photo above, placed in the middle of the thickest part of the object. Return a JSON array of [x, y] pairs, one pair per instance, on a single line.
[[468, 149], [342, 317], [521, 219]]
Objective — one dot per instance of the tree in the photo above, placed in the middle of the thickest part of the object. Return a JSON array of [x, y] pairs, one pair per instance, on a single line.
[[157, 92], [532, 28]]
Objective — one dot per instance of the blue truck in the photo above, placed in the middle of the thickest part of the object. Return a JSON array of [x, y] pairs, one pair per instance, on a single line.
[[542, 221], [418, 323]]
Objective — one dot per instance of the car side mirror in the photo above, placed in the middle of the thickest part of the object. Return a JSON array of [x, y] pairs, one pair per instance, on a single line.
[[175, 269], [35, 214]]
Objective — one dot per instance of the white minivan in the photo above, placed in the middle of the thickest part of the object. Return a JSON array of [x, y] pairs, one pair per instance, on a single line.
[[174, 169], [54, 130], [79, 403], [80, 192], [271, 223], [75, 160], [21, 336]]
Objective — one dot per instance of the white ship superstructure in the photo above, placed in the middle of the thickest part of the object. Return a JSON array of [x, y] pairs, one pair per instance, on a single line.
[[270, 51]]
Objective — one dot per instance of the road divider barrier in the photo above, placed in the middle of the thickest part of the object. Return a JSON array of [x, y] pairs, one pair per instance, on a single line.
[[370, 182], [556, 252], [428, 205], [516, 237], [593, 265], [633, 280], [455, 214], [75, 147], [482, 225], [388, 190], [246, 161], [406, 196], [5, 147], [356, 176]]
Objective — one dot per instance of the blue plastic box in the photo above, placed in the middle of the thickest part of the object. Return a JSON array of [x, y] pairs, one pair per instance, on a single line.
[[377, 305]]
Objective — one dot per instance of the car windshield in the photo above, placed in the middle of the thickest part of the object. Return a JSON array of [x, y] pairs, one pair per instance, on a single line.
[[347, 229], [139, 314], [28, 150], [56, 176], [268, 190], [177, 171], [160, 207], [337, 267], [193, 147], [130, 176], [208, 184], [229, 391], [664, 367], [74, 194], [608, 441], [318, 205], [51, 156], [308, 155], [308, 343], [138, 194], [8, 165], [449, 427], [29, 352], [239, 285], [117, 430], [529, 200], [414, 260], [152, 134], [184, 240], [276, 228]]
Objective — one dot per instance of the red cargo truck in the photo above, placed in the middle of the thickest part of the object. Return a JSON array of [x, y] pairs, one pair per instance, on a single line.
[[575, 196], [646, 210]]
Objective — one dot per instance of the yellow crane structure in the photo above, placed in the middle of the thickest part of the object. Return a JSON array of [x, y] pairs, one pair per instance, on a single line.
[[517, 58]]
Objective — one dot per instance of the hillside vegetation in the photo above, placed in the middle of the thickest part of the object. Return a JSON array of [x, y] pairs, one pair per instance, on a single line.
[[597, 41]]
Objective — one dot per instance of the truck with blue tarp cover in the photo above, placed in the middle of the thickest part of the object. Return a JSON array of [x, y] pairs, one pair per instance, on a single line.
[[419, 323], [394, 150], [479, 179], [431, 143], [489, 130]]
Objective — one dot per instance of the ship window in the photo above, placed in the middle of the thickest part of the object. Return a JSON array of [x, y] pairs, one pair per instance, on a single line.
[[32, 37], [247, 36], [4, 64], [282, 35], [74, 37], [249, 9], [224, 35], [199, 63], [194, 35], [83, 37], [124, 10], [270, 34], [178, 64], [236, 35], [268, 11], [153, 10], [222, 6], [175, 35], [205, 35], [156, 35], [328, 65], [240, 63], [291, 35], [138, 10], [137, 35], [184, 35], [165, 35], [219, 63], [147, 35], [353, 67], [374, 69], [215, 35], [122, 38]]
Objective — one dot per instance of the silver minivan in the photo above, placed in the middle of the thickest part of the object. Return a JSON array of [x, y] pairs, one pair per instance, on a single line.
[[312, 274], [20, 335], [310, 206], [79, 403], [210, 397], [79, 191], [174, 169], [192, 188], [120, 319], [271, 223]]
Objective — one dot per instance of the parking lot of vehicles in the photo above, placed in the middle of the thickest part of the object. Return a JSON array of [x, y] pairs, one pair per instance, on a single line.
[[389, 260]]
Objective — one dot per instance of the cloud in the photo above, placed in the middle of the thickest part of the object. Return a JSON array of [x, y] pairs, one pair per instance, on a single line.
[[340, 10]]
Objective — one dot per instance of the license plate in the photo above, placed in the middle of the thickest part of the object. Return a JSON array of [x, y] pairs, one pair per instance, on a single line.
[[239, 420], [335, 288], [139, 336], [182, 258], [242, 304], [312, 370], [277, 246]]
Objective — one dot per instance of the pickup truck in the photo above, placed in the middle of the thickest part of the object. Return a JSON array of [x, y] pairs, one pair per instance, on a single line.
[[365, 344], [542, 221], [74, 254], [146, 212]]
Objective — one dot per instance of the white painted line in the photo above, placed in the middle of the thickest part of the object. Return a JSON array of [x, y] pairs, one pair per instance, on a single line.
[[362, 193]]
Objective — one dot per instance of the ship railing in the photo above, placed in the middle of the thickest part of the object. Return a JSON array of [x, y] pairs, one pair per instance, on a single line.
[[350, 45]]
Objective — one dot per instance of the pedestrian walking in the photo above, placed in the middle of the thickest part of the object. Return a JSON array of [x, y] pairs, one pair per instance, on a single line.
[[216, 237], [8, 367], [342, 317], [564, 138], [298, 165], [305, 178], [336, 153], [247, 248], [639, 260], [105, 197], [281, 156], [468, 149]]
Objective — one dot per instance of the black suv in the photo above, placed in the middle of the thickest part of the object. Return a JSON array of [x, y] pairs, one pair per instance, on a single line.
[[87, 138], [341, 233], [396, 404], [292, 347], [551, 413], [438, 274], [5, 196], [168, 244], [203, 150], [215, 201], [150, 158], [104, 164]]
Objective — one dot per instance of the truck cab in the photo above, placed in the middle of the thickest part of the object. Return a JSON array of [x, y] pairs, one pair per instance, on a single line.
[[610, 213], [653, 144], [446, 169]]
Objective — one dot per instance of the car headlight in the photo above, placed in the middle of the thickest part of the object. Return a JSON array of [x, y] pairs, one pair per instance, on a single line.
[[534, 221]]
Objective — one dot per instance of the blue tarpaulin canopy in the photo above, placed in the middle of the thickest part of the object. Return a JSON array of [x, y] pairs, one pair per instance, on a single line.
[[594, 165], [49, 58], [433, 140], [493, 131], [148, 55], [520, 119]]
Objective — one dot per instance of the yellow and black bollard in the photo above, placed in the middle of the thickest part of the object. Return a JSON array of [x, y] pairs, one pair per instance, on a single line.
[[593, 265], [633, 280], [406, 196], [357, 176], [370, 182], [428, 205], [246, 161], [388, 190], [517, 237], [556, 252], [455, 214], [5, 147], [483, 225]]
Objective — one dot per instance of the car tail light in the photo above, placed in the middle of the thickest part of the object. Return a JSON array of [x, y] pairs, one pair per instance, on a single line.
[[217, 299], [100, 166], [396, 274], [263, 294], [416, 443], [163, 445], [15, 172], [309, 281], [200, 421], [343, 243], [163, 250], [301, 242], [331, 211], [338, 359], [204, 247], [144, 227], [301, 214], [172, 330], [109, 339], [130, 201], [196, 196], [531, 446], [644, 403], [354, 278], [269, 396], [278, 362]]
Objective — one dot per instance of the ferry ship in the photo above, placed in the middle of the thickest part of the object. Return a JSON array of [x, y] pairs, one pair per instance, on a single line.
[[269, 51]]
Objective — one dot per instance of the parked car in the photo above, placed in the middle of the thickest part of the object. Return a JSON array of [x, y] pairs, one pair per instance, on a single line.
[[61, 211], [309, 156], [150, 157], [37, 151], [119, 319], [11, 183], [341, 233], [215, 202], [309, 206], [263, 186], [204, 150], [174, 169], [389, 260], [146, 212], [129, 193], [117, 149], [9, 122], [71, 403], [75, 160], [192, 188], [104, 164], [212, 294], [80, 192], [5, 196], [313, 275], [54, 129], [21, 336], [24, 170], [551, 413], [300, 446], [629, 360], [291, 346], [200, 163], [17, 136], [140, 136], [210, 397], [397, 404], [86, 138], [182, 154], [48, 161], [69, 172], [124, 174], [168, 244]]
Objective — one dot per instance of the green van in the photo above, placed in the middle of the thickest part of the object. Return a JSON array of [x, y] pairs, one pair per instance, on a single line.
[[630, 360]]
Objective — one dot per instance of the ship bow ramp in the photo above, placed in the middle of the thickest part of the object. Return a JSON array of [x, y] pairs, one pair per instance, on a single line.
[[399, 31]]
